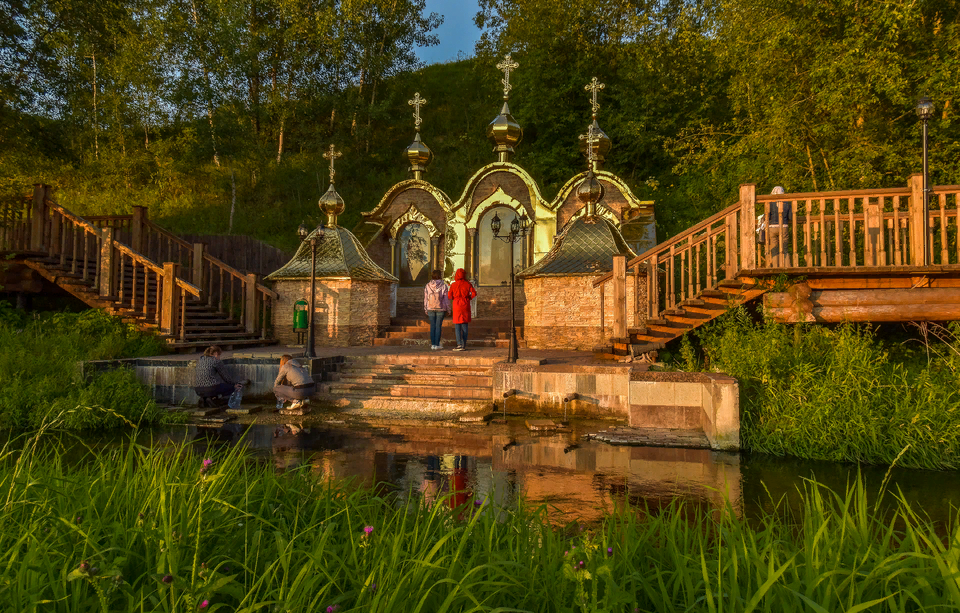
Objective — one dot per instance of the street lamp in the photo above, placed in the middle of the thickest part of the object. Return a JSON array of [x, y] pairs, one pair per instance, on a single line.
[[519, 228], [925, 110], [303, 231]]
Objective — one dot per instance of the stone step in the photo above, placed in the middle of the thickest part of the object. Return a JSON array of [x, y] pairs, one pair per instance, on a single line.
[[400, 342], [437, 358], [350, 368], [448, 334], [410, 391], [226, 344], [477, 321], [414, 379], [419, 408]]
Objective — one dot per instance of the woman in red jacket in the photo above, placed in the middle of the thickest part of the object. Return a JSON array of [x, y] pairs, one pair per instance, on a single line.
[[461, 293]]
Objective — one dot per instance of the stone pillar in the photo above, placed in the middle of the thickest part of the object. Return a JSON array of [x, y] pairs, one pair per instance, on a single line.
[[170, 300], [469, 253], [250, 303], [393, 257], [748, 226], [108, 276], [138, 228], [435, 254]]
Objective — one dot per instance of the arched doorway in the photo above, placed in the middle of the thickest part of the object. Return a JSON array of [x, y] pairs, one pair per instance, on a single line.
[[413, 247], [493, 262]]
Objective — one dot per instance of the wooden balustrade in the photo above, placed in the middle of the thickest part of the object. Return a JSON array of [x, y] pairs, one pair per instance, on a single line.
[[15, 224]]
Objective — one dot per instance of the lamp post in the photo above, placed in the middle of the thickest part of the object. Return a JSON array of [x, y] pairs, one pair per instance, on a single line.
[[519, 228], [925, 110], [309, 351]]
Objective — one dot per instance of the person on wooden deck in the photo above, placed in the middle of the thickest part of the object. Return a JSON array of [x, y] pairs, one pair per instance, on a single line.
[[779, 223], [213, 379], [436, 305], [293, 384], [461, 293]]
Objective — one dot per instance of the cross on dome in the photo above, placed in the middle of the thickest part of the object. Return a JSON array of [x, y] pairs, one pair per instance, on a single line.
[[507, 66], [416, 103], [332, 154], [592, 139], [594, 86]]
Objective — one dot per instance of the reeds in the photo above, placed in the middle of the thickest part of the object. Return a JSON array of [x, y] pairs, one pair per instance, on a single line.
[[159, 528], [837, 393]]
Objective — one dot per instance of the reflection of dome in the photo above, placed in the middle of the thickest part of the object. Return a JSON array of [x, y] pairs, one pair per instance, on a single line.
[[419, 156], [601, 148], [339, 254], [505, 133], [332, 204]]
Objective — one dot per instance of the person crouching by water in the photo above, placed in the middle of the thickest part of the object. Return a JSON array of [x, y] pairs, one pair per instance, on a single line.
[[460, 294], [213, 379], [436, 305], [294, 384]]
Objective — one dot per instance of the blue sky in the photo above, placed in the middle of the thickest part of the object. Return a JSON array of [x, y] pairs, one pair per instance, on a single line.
[[457, 32]]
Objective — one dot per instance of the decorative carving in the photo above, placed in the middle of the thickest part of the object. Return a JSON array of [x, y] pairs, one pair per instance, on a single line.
[[602, 211], [451, 241], [413, 214]]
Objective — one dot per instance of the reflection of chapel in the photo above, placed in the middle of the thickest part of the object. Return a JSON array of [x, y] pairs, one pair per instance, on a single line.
[[416, 227]]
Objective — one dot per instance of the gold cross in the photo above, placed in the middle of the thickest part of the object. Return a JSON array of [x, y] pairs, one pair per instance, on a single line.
[[331, 155], [592, 138], [507, 66], [594, 87], [416, 103]]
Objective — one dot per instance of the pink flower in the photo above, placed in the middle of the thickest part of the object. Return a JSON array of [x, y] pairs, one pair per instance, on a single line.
[[204, 604], [333, 608], [368, 530]]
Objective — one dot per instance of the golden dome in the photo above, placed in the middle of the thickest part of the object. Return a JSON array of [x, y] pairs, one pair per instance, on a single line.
[[505, 133], [601, 149], [419, 156], [590, 192], [332, 204]]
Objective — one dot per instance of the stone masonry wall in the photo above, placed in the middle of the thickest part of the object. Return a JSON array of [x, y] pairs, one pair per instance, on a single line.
[[348, 312], [564, 312], [492, 302]]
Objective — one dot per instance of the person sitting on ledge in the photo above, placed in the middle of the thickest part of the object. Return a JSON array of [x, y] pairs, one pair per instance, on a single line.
[[293, 384], [213, 380]]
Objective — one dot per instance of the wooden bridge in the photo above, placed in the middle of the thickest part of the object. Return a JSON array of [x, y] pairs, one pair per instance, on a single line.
[[846, 256], [133, 268]]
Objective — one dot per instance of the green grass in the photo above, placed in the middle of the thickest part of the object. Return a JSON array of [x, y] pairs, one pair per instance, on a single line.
[[40, 376], [103, 533], [838, 393]]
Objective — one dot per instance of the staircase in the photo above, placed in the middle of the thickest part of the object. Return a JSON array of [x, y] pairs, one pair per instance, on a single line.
[[104, 262], [439, 385], [483, 332]]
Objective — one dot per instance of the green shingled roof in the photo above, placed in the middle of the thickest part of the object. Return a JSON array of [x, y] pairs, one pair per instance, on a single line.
[[339, 254], [586, 247]]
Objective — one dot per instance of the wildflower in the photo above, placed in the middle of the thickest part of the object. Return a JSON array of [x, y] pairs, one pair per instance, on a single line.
[[79, 519], [207, 463], [565, 553], [582, 564], [333, 608], [477, 502], [368, 530], [84, 566], [609, 552], [95, 571], [204, 604], [168, 579], [373, 587]]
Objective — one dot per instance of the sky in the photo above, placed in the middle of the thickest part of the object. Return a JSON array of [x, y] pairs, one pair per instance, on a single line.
[[457, 32]]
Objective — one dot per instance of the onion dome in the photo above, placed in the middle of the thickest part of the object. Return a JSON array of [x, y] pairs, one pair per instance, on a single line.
[[505, 133], [339, 255], [419, 156], [332, 204], [590, 192], [585, 247], [600, 149]]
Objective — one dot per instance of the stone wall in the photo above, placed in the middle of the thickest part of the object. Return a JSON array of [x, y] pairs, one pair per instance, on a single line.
[[492, 302], [564, 312], [348, 312]]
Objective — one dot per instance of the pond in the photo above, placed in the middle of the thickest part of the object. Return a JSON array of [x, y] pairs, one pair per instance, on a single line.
[[578, 479]]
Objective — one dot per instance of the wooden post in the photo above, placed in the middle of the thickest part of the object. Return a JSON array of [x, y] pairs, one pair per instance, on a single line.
[[170, 306], [873, 234], [138, 228], [196, 275], [250, 296], [918, 225], [619, 296], [56, 229], [730, 263], [37, 218], [748, 226], [108, 273]]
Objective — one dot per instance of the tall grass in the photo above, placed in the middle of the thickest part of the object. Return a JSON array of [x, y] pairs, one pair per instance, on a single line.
[[152, 529], [40, 377], [838, 393]]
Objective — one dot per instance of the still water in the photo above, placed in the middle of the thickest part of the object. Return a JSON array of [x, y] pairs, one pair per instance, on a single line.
[[577, 479]]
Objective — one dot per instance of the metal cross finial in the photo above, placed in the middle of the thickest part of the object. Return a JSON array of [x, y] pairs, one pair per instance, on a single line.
[[416, 103], [332, 154], [592, 138], [507, 66], [594, 86]]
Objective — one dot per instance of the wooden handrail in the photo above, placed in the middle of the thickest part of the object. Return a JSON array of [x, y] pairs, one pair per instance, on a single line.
[[267, 291], [189, 287], [138, 257], [80, 221], [852, 193], [173, 237], [108, 217], [223, 266]]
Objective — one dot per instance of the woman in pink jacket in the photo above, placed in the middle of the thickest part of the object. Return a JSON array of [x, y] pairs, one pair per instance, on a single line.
[[461, 293], [436, 305]]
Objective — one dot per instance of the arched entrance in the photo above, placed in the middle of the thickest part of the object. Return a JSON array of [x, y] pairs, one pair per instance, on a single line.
[[493, 261]]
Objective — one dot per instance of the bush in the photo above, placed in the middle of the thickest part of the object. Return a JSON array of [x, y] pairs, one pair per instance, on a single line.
[[839, 393], [39, 374]]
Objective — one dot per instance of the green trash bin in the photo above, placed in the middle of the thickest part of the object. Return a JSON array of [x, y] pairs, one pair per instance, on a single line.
[[300, 311]]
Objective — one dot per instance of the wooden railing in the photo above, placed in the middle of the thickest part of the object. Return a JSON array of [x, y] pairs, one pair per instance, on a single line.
[[15, 221], [858, 229]]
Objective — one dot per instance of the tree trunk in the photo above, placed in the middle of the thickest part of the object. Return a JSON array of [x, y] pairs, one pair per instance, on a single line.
[[233, 200], [96, 130]]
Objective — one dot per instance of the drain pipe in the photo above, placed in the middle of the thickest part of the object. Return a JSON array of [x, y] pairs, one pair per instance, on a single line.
[[506, 395], [567, 400]]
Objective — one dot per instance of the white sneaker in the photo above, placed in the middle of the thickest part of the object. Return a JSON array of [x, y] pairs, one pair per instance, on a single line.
[[296, 404]]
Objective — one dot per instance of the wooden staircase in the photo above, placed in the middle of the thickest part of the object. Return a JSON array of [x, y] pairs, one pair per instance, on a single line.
[[99, 261]]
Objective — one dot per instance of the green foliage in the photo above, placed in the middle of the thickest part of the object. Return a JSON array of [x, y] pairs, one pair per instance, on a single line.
[[159, 528], [838, 393], [40, 377]]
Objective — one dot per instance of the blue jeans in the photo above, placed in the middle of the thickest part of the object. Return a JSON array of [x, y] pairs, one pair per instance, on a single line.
[[436, 326], [461, 330]]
